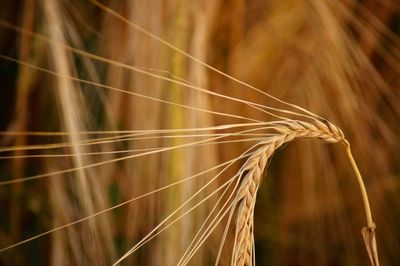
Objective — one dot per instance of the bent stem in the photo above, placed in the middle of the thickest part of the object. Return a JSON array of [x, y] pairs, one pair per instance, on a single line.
[[368, 232]]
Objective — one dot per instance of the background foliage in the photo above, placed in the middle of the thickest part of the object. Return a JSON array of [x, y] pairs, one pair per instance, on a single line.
[[339, 59]]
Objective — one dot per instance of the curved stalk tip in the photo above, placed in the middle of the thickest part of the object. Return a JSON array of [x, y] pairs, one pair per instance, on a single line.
[[368, 232]]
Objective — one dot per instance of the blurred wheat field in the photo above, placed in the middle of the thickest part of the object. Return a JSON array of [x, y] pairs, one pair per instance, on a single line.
[[117, 136]]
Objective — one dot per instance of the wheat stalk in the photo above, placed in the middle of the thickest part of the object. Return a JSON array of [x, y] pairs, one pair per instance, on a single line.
[[252, 171]]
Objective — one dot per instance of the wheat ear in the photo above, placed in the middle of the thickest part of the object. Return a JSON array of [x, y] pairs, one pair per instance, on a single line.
[[254, 168]]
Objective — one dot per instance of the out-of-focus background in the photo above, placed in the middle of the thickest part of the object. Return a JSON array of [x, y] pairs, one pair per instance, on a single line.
[[338, 59]]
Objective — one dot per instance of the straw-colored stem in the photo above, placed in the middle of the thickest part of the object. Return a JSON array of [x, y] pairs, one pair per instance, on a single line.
[[360, 181], [368, 232]]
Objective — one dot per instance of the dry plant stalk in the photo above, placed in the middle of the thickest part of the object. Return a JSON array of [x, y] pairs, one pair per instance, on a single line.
[[251, 173]]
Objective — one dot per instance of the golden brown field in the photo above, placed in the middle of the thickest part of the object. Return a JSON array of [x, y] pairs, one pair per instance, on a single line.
[[176, 132]]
